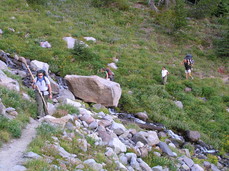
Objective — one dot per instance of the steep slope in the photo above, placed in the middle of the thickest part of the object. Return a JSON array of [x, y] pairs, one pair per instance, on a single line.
[[137, 40]]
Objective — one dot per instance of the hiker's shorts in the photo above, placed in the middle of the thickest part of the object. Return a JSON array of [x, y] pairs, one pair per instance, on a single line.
[[188, 71]]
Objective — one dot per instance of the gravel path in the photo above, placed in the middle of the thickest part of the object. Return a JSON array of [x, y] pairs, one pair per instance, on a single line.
[[11, 154]]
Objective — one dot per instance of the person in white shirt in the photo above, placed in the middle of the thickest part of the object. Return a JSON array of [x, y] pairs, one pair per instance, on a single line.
[[42, 83], [164, 74]]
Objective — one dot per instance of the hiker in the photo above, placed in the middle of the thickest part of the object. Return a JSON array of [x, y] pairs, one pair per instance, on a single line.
[[188, 68], [109, 74], [42, 83], [164, 73]]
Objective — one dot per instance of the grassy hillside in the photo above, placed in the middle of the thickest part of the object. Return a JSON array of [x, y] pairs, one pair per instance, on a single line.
[[129, 31]]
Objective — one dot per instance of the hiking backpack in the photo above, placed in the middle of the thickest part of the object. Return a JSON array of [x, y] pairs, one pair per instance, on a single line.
[[189, 58], [110, 73]]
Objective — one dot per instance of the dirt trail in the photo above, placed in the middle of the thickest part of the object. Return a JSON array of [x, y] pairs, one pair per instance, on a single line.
[[11, 154]]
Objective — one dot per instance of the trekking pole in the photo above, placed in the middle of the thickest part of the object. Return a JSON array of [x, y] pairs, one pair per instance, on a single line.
[[23, 60]]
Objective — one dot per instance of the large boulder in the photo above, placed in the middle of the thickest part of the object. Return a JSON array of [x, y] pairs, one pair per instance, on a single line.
[[37, 65], [9, 82], [94, 89]]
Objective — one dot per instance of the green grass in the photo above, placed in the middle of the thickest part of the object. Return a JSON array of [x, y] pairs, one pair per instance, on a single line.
[[142, 46], [153, 160], [12, 128]]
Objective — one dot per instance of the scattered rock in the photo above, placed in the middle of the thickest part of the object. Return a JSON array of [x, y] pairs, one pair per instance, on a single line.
[[179, 104], [193, 136], [164, 147], [112, 65], [90, 39], [37, 65], [9, 82], [3, 65], [71, 102], [65, 94], [187, 89], [45, 44], [93, 165], [11, 29], [71, 42], [142, 115], [32, 155]]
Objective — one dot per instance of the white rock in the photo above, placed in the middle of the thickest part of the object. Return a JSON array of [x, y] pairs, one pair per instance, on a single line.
[[11, 29], [19, 168], [172, 145], [179, 104], [196, 167], [117, 145], [152, 138], [45, 44], [37, 65], [3, 65], [93, 165], [144, 165], [32, 155], [1, 32], [51, 108], [112, 65], [120, 166], [157, 168], [90, 39], [115, 59], [77, 124], [71, 42], [9, 82], [71, 102], [139, 144], [118, 128]]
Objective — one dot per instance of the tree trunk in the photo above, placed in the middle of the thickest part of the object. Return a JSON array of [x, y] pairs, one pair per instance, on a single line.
[[152, 5]]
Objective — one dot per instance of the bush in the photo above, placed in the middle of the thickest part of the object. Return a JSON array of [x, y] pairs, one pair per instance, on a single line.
[[69, 108], [222, 46], [204, 8], [173, 19], [208, 91], [38, 2], [120, 4], [14, 127], [87, 58], [46, 131], [153, 160], [4, 136]]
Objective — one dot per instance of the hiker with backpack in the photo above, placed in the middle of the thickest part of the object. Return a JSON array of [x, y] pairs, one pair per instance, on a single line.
[[109, 74], [188, 62], [164, 74], [43, 91]]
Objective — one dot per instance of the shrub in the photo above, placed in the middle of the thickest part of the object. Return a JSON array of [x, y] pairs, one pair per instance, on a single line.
[[14, 127], [221, 45], [4, 136], [204, 8], [69, 108], [208, 91], [120, 4], [153, 160], [46, 131], [37, 165], [38, 2], [60, 113]]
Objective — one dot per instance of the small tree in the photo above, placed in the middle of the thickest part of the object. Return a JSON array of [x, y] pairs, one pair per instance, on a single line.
[[222, 46]]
